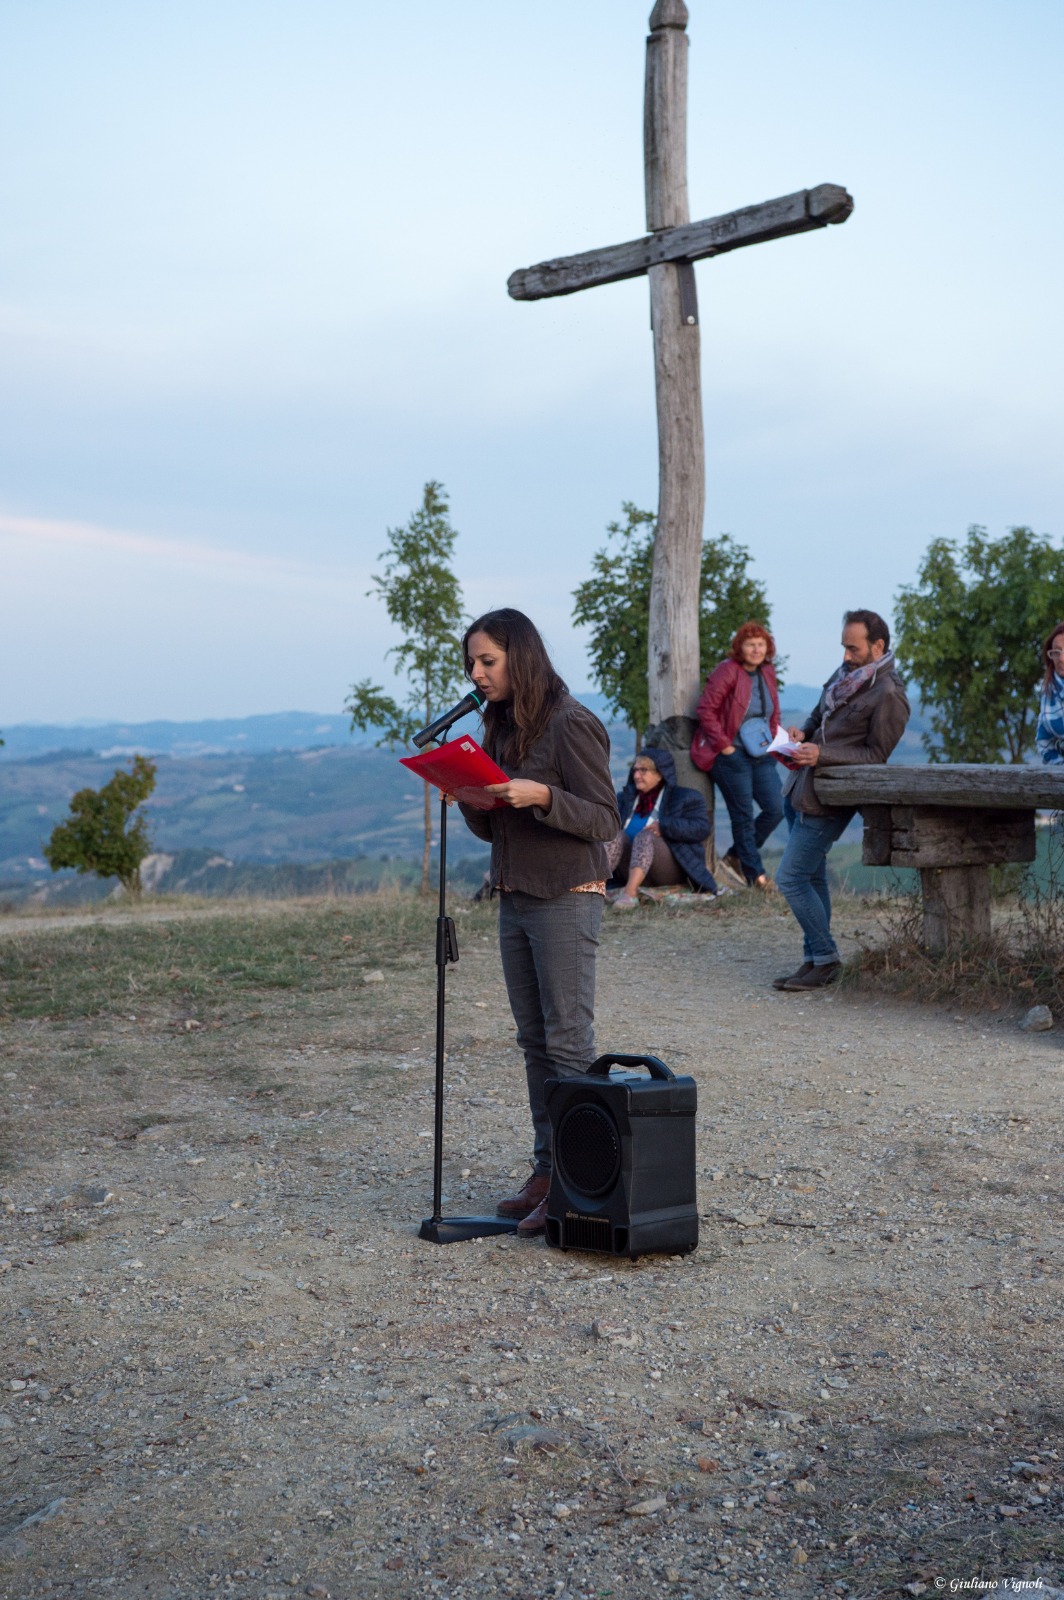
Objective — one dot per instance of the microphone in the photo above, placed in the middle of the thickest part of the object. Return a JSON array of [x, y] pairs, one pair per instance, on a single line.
[[473, 701]]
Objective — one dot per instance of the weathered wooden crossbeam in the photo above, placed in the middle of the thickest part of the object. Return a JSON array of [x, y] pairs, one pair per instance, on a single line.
[[692, 241], [944, 784]]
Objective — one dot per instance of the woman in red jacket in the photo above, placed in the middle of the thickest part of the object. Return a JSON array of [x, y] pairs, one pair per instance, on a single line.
[[738, 714]]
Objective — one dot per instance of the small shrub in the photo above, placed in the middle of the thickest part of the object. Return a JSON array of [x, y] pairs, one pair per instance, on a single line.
[[103, 833]]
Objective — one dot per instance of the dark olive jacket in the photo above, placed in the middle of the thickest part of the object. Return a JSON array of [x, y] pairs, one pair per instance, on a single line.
[[546, 852], [862, 731]]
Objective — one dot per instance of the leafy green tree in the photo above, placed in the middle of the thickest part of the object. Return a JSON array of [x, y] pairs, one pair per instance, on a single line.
[[615, 604], [424, 598], [970, 632], [103, 834]]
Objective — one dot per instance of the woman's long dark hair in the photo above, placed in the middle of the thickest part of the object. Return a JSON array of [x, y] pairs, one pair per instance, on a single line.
[[512, 727], [1051, 666]]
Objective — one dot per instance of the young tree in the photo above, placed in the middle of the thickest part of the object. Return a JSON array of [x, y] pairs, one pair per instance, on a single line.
[[102, 834], [424, 598], [615, 604], [970, 633]]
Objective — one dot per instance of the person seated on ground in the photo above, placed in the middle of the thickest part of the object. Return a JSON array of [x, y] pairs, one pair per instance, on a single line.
[[1050, 736], [662, 831], [738, 715]]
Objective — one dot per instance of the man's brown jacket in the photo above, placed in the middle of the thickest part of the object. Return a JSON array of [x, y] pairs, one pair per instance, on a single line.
[[862, 731]]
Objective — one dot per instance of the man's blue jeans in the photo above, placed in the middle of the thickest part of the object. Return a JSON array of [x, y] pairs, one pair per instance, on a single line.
[[548, 950], [743, 780], [802, 879]]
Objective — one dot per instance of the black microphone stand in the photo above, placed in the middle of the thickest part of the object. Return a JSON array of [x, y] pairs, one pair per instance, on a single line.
[[438, 1229]]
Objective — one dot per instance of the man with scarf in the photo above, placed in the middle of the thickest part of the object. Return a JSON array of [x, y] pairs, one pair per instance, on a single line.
[[859, 719]]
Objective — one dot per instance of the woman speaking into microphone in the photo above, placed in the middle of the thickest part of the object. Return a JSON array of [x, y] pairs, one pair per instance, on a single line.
[[548, 863]]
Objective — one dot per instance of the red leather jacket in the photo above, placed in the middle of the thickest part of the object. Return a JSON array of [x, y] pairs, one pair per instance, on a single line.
[[724, 703]]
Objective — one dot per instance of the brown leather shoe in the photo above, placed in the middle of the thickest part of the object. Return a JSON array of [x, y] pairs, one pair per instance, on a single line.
[[535, 1222], [527, 1199], [803, 972], [819, 978]]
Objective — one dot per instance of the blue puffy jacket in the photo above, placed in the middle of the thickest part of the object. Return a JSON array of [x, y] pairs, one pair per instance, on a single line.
[[682, 818]]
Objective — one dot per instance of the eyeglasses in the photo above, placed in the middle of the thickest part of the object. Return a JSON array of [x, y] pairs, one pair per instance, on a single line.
[[1055, 655], [638, 768]]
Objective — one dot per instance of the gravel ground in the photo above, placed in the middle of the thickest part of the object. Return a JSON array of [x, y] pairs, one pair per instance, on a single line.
[[231, 1368]]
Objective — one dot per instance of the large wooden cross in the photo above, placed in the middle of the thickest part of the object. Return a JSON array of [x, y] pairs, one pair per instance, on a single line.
[[665, 255]]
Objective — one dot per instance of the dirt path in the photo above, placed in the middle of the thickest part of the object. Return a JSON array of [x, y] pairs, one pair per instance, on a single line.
[[231, 1368]]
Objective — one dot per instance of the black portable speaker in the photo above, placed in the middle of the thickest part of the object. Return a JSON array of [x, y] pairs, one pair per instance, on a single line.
[[623, 1178]]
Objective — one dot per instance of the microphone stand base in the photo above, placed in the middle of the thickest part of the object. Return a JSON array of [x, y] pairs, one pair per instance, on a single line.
[[454, 1230]]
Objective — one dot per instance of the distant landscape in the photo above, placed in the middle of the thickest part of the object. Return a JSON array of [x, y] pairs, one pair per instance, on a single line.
[[282, 730], [289, 803]]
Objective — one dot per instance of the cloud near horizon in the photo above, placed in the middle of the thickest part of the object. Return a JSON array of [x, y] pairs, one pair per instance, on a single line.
[[187, 554]]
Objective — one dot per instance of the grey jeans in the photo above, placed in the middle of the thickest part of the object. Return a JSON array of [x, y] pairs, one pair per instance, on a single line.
[[548, 950]]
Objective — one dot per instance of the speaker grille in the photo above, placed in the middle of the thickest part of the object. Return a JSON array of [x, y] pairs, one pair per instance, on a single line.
[[587, 1233], [588, 1150]]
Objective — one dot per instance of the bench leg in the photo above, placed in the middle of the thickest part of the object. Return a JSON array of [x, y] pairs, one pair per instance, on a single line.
[[956, 905]]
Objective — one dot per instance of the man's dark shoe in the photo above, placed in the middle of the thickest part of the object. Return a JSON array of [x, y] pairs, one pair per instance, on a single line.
[[535, 1222], [527, 1199], [803, 971], [819, 978]]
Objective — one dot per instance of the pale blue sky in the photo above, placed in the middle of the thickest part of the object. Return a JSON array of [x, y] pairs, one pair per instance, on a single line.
[[253, 262]]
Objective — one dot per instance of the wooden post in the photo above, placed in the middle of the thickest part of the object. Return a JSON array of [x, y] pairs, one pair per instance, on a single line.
[[956, 905], [674, 669]]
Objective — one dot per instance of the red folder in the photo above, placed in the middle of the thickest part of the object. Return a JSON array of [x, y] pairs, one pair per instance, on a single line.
[[457, 767]]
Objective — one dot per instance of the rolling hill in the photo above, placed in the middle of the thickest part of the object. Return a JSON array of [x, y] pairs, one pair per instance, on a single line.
[[239, 800]]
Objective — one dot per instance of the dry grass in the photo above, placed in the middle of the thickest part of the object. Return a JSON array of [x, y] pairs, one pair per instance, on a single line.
[[1021, 963], [108, 967]]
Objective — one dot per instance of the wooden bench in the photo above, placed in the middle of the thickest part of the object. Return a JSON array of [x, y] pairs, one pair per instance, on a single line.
[[951, 823]]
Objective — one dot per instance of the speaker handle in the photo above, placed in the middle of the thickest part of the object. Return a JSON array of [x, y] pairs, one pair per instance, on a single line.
[[656, 1068]]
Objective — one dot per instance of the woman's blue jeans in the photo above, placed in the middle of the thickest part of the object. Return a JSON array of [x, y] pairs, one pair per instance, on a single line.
[[744, 781], [802, 879], [548, 950]]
